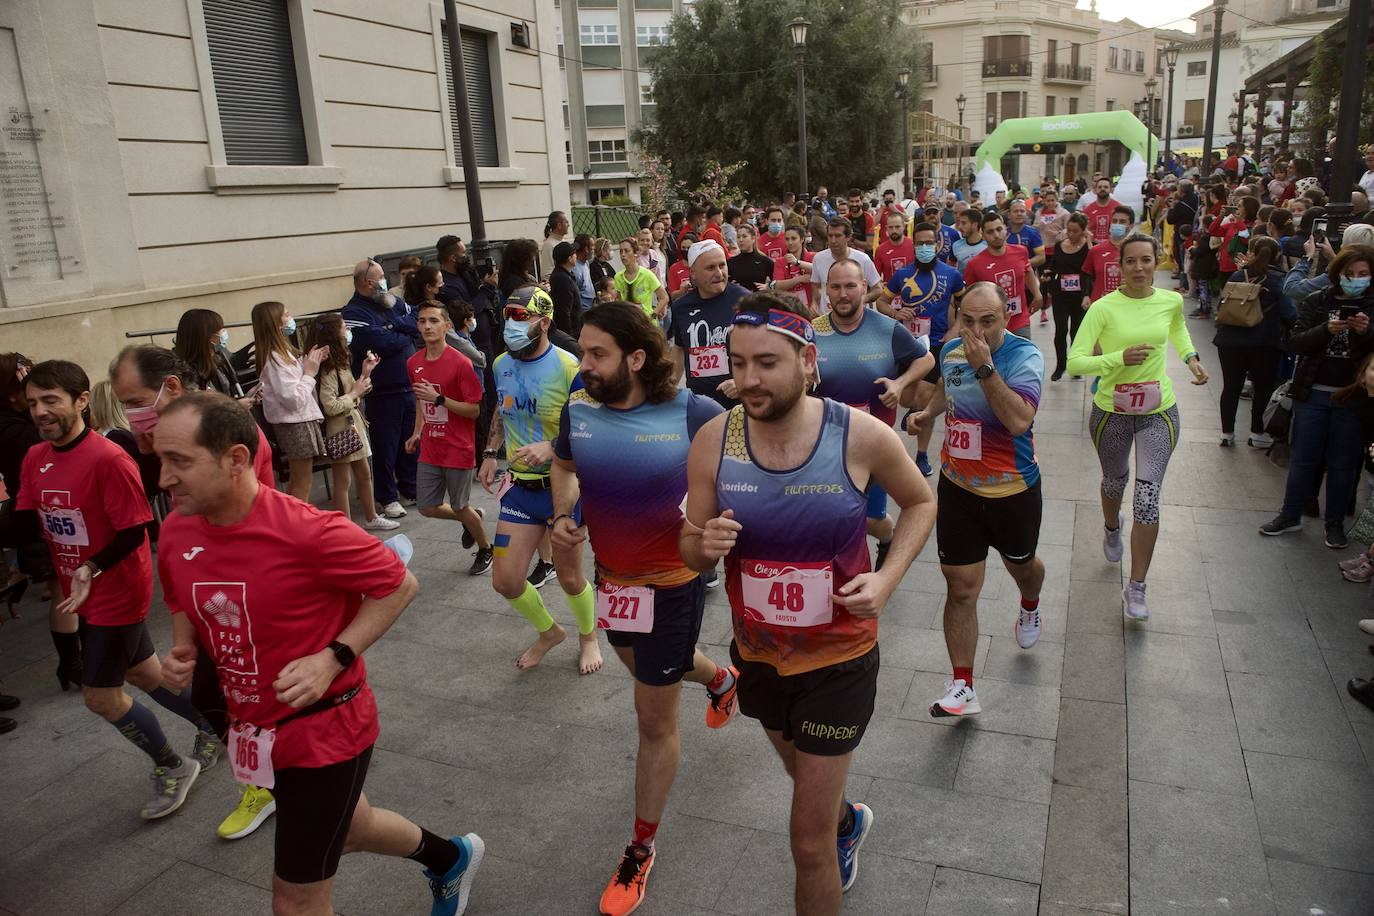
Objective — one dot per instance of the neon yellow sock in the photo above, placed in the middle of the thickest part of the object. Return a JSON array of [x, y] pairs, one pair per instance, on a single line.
[[531, 607], [583, 606]]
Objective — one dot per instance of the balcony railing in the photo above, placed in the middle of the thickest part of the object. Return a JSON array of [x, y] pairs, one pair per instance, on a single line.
[[929, 74], [1067, 73], [996, 68]]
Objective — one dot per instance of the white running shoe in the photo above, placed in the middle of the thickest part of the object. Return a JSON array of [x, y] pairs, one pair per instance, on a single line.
[[1133, 596], [1027, 627], [1111, 542], [959, 700], [394, 510], [1368, 626], [381, 523], [1261, 440]]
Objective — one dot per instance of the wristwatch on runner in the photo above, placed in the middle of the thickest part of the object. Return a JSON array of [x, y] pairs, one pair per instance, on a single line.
[[438, 400], [984, 371], [343, 654]]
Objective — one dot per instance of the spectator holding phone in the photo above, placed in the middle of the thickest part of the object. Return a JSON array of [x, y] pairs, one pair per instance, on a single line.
[[1332, 337], [288, 392]]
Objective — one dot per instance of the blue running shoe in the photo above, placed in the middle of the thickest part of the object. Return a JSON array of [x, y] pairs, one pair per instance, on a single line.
[[849, 845], [451, 889], [923, 464]]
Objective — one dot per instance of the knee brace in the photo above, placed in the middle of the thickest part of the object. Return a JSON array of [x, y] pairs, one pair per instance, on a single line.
[[1145, 505], [1114, 487]]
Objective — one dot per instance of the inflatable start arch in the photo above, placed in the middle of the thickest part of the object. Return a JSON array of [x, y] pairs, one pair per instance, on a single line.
[[1095, 125]]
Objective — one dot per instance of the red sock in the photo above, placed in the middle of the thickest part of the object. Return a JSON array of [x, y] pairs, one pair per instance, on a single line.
[[965, 675], [1029, 603], [644, 833]]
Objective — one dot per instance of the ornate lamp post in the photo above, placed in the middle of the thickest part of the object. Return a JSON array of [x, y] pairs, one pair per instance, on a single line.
[[903, 77], [1170, 61], [798, 29]]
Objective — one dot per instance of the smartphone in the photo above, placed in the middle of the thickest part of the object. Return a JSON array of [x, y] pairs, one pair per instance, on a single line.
[[1349, 311], [1319, 229]]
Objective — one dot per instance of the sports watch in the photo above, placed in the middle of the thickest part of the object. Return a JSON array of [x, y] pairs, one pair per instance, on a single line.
[[984, 371], [343, 654]]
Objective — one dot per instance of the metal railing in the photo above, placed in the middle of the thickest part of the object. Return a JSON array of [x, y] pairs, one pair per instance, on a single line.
[[614, 223], [996, 68]]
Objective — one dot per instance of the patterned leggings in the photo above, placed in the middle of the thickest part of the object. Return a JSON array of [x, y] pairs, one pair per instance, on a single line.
[[1155, 436]]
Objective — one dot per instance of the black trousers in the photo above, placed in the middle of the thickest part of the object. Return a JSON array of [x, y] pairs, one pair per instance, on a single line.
[[1262, 365], [1068, 315]]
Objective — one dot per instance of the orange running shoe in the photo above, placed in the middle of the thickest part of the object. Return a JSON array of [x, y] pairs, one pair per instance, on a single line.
[[723, 708], [626, 891]]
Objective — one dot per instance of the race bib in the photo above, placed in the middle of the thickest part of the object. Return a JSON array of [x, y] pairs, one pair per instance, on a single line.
[[1013, 305], [434, 413], [709, 361], [66, 527], [787, 594], [919, 327], [628, 608], [1136, 397], [964, 439], [250, 755], [503, 485], [1070, 283]]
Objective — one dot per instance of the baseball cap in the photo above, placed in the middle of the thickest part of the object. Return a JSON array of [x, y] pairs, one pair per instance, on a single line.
[[531, 299], [562, 251]]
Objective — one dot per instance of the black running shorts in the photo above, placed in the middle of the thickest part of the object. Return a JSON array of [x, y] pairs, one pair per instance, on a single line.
[[663, 656], [967, 524], [822, 712], [107, 653], [314, 809]]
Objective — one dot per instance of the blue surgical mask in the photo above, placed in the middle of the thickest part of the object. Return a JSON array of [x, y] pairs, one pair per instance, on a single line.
[[348, 337], [470, 325], [1355, 286], [224, 337], [517, 334], [1119, 231], [775, 228], [290, 327], [925, 253]]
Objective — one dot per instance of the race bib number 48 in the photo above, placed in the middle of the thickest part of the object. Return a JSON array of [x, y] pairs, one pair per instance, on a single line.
[[709, 361], [787, 594]]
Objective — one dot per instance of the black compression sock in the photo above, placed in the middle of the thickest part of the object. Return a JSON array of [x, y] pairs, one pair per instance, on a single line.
[[435, 853], [847, 825]]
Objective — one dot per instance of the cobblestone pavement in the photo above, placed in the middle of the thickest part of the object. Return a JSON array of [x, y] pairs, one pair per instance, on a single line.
[[1209, 761]]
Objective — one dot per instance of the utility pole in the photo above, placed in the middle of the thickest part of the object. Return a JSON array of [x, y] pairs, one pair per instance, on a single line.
[[1205, 171], [477, 245]]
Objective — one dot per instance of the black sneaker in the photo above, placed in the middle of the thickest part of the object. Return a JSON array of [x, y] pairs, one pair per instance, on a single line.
[[8, 702], [1335, 537], [469, 540], [1281, 524], [1058, 374], [7, 725], [481, 561], [1362, 690], [542, 572], [881, 558]]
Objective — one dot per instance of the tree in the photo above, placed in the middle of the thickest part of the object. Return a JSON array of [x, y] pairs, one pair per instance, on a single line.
[[725, 91]]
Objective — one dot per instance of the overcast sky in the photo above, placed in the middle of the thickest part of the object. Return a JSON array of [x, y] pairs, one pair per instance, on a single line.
[[1162, 13]]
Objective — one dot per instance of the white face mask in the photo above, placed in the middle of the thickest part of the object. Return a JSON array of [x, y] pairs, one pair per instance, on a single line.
[[471, 325]]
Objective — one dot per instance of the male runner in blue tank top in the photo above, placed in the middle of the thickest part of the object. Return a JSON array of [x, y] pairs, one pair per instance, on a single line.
[[622, 450], [776, 488], [868, 361]]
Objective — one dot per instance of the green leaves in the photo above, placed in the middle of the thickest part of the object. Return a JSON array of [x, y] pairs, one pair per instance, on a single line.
[[726, 92]]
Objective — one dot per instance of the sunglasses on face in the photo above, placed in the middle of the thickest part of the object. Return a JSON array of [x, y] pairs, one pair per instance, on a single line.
[[516, 313]]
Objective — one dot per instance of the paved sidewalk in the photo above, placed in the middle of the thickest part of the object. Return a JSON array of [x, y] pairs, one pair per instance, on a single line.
[[1209, 761]]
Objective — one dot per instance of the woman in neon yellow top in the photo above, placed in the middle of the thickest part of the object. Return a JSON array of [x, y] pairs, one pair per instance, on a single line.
[[1135, 404]]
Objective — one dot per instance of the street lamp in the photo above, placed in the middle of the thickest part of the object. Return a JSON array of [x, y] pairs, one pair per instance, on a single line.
[[903, 77], [798, 28], [960, 102], [1150, 85], [1170, 61]]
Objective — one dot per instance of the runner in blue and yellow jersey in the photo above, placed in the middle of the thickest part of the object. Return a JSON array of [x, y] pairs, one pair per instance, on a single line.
[[533, 381]]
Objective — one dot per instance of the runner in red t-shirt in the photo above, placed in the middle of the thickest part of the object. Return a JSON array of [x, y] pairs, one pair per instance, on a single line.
[[1234, 234], [1103, 264], [792, 273], [896, 250], [92, 511], [1009, 267], [286, 597], [772, 241], [448, 396], [1099, 211]]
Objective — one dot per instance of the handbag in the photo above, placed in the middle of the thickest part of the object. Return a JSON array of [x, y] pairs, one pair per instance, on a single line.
[[346, 441], [1363, 529], [1240, 304]]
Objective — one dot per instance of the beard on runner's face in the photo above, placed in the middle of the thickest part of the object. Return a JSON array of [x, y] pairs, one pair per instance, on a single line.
[[778, 403], [610, 389]]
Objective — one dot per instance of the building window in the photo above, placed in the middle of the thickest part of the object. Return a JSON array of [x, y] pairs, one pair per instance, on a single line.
[[1051, 46], [1049, 106], [567, 149], [558, 33], [1006, 55], [1111, 104], [254, 66], [1159, 63], [597, 195], [990, 122], [1193, 115], [1073, 106], [1197, 68], [1139, 61], [651, 36], [599, 34], [601, 152], [646, 95], [1002, 106], [481, 105]]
